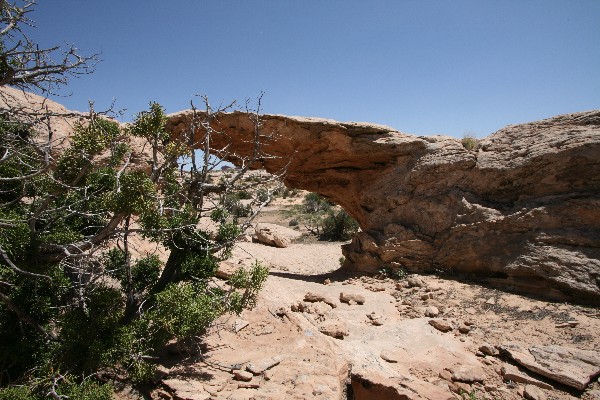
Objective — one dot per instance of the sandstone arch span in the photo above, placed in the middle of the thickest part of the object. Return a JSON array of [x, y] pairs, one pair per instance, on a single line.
[[522, 211]]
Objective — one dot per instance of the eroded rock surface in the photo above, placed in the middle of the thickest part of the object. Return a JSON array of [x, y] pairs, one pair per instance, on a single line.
[[569, 366], [521, 211]]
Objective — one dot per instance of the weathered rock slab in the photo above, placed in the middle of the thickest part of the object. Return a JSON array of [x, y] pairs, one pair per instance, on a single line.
[[569, 366]]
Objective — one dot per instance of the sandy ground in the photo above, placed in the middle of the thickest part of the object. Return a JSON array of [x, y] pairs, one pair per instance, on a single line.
[[313, 365]]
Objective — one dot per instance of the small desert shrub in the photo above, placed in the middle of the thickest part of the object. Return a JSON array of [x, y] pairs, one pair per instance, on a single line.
[[314, 203], [244, 195], [396, 274], [232, 204], [469, 142], [323, 218], [338, 225]]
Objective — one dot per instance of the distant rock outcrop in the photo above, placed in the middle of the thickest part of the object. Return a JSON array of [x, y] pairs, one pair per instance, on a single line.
[[520, 211]]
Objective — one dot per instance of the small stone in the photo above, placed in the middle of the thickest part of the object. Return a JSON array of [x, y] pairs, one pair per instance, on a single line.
[[479, 353], [594, 394], [248, 385], [460, 387], [327, 281], [568, 324], [464, 328], [432, 312], [441, 325], [280, 312], [163, 394], [471, 311], [533, 393], [240, 324], [160, 373], [512, 373], [240, 375], [401, 285], [414, 281], [386, 356], [490, 388], [486, 361], [333, 328], [468, 373], [351, 297], [258, 367], [488, 349], [268, 375], [314, 297], [426, 296], [446, 375], [491, 301]]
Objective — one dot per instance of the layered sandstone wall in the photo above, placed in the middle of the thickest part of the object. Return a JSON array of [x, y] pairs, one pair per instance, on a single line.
[[521, 211]]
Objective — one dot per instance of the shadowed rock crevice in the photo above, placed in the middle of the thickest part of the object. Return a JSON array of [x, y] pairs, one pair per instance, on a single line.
[[521, 211]]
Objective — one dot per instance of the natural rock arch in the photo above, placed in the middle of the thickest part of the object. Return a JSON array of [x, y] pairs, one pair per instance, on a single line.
[[521, 211]]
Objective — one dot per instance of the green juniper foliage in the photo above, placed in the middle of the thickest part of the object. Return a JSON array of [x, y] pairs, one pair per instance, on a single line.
[[76, 299], [78, 310], [324, 219]]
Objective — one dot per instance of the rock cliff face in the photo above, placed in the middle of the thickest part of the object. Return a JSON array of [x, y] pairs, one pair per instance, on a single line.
[[521, 211]]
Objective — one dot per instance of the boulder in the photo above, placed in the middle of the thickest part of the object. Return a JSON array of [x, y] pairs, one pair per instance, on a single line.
[[275, 235], [521, 210]]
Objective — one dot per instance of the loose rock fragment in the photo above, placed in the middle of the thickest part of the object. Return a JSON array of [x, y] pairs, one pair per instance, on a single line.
[[441, 325], [334, 328], [254, 385], [258, 367], [314, 297], [389, 357], [241, 375], [533, 393], [488, 349], [468, 373], [239, 325], [512, 373], [351, 297], [414, 281], [432, 312]]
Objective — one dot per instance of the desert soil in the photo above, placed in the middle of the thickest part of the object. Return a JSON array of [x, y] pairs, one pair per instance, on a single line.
[[278, 350]]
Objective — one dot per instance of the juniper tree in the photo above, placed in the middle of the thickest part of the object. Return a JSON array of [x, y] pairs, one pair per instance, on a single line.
[[76, 297]]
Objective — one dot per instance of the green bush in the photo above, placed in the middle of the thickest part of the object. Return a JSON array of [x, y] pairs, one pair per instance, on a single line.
[[469, 142], [324, 219], [338, 225], [81, 312]]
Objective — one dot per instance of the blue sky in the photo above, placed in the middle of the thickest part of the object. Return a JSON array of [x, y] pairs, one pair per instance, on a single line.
[[422, 67]]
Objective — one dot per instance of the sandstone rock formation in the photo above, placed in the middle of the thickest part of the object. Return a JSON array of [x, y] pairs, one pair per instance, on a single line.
[[521, 211], [569, 366]]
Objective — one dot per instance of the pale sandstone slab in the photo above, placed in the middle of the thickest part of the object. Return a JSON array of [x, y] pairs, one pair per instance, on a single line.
[[569, 366]]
